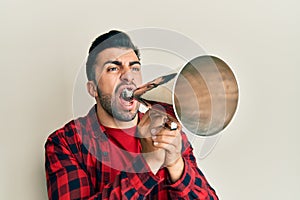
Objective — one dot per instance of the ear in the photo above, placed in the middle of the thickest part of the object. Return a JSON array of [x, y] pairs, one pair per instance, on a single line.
[[92, 88]]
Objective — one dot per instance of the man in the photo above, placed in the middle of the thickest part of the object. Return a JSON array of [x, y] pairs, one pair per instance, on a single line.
[[116, 152]]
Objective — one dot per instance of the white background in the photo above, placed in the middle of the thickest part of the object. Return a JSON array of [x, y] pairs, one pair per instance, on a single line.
[[43, 44]]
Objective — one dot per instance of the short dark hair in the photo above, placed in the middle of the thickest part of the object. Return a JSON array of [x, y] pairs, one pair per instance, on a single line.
[[111, 39]]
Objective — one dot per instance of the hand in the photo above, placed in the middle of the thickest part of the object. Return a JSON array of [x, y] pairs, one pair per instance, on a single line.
[[154, 156], [169, 140], [160, 145]]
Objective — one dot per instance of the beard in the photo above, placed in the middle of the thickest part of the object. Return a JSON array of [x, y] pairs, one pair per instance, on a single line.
[[109, 104]]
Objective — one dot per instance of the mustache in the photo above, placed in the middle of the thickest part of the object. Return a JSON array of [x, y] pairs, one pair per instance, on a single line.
[[131, 85]]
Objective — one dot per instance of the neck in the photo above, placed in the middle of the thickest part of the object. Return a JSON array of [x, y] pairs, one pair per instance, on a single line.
[[109, 121]]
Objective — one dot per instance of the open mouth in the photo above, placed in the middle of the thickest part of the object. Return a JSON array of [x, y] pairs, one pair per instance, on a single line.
[[126, 98], [127, 94]]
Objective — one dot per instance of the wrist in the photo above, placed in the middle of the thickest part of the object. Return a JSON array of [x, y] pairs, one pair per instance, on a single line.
[[173, 163], [176, 169], [153, 160]]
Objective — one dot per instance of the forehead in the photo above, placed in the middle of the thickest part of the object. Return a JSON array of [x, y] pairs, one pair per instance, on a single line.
[[119, 54]]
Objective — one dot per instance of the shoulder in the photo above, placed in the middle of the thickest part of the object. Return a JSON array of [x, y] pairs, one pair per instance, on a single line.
[[65, 141], [72, 129], [63, 134], [73, 134]]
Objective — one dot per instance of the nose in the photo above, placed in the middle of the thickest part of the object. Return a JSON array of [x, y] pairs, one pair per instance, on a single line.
[[127, 75]]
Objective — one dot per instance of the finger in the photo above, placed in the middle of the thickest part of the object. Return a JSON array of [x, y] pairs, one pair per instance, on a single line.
[[163, 142], [155, 112], [169, 137], [147, 127], [166, 131], [160, 119], [157, 122], [157, 119], [152, 122], [169, 147]]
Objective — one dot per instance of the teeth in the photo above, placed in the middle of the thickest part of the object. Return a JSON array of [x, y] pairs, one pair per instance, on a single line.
[[127, 94]]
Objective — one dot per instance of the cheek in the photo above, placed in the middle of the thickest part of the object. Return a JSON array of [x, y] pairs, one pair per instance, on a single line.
[[138, 80], [107, 85]]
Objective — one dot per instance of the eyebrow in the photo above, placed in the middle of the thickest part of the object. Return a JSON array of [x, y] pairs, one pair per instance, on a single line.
[[134, 62], [115, 62]]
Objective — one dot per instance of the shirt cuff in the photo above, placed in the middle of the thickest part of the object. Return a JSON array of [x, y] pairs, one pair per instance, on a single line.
[[185, 180]]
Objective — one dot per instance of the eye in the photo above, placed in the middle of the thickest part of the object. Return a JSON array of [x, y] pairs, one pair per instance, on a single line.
[[136, 68], [112, 69]]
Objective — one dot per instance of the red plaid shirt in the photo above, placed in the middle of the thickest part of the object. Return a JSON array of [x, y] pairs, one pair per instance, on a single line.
[[83, 163]]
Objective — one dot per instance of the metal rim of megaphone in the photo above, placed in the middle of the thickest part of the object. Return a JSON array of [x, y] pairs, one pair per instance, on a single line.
[[228, 111]]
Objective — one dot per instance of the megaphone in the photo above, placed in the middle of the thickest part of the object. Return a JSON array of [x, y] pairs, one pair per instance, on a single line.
[[203, 94]]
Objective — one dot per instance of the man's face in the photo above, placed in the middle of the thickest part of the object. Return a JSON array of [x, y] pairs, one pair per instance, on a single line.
[[117, 69]]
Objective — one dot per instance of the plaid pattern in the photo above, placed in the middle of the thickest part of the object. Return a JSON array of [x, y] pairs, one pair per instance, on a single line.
[[81, 163]]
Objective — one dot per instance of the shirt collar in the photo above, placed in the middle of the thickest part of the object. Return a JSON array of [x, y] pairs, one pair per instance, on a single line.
[[96, 128]]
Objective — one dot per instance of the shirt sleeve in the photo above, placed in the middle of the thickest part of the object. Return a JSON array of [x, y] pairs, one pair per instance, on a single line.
[[192, 184], [67, 179]]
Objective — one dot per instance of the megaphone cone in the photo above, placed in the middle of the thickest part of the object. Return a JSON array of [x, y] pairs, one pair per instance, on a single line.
[[204, 95]]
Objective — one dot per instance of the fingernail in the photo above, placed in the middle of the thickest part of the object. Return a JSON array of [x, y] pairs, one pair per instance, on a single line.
[[155, 143], [153, 131], [154, 137]]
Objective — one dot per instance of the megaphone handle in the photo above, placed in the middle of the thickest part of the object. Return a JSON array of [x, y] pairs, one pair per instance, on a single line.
[[145, 102], [172, 126], [168, 124]]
